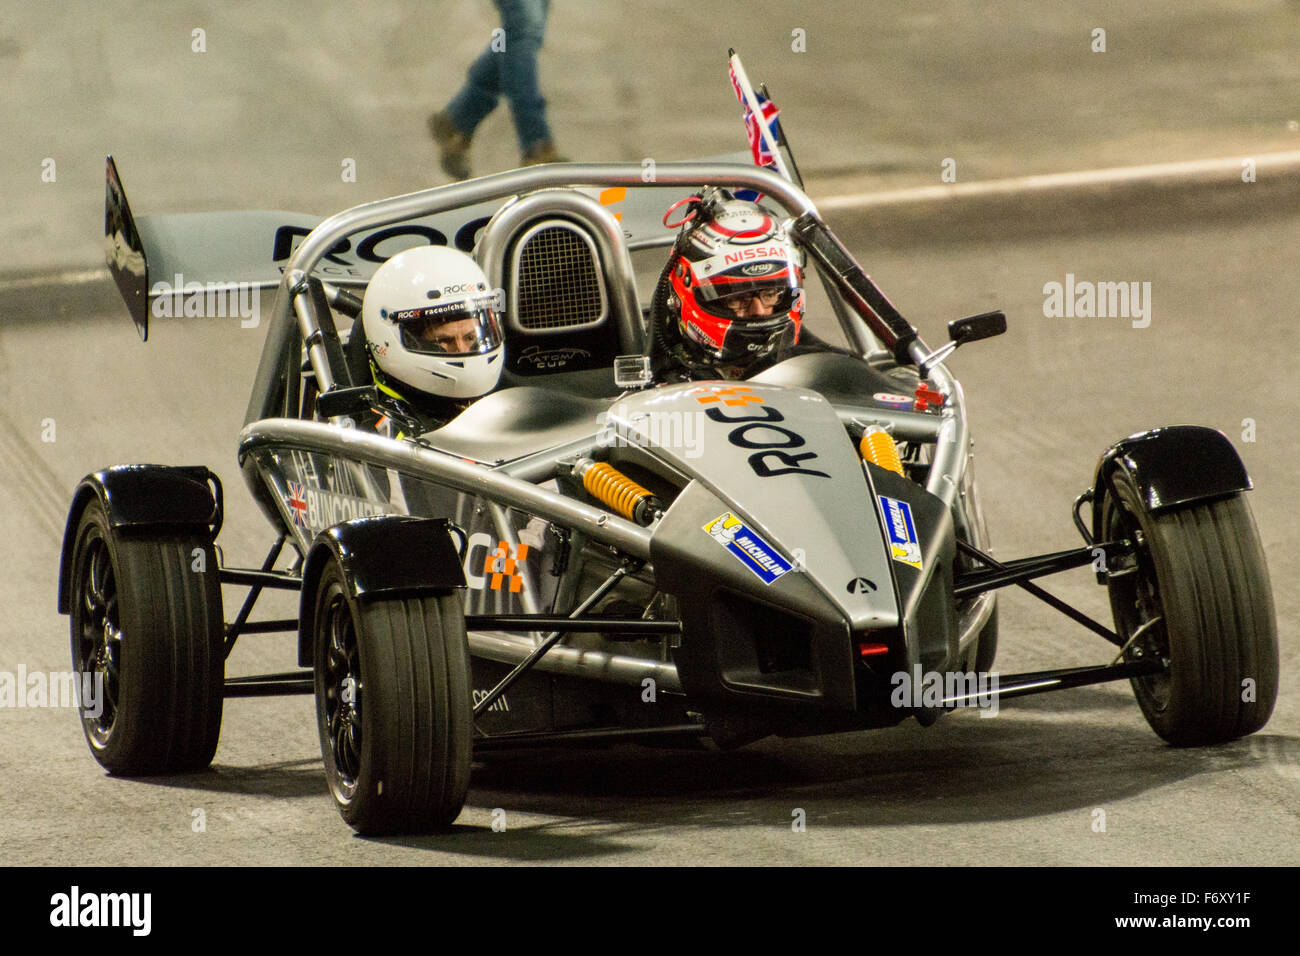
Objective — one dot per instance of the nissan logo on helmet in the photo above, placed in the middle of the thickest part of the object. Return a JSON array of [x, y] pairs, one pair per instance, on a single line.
[[758, 268]]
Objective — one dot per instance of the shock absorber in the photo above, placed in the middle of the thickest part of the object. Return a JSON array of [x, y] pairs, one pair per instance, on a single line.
[[877, 447], [617, 491]]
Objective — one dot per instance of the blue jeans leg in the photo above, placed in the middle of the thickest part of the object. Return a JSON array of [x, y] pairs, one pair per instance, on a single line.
[[478, 97], [525, 25]]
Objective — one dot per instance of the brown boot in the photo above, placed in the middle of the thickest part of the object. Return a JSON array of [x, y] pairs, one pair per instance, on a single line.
[[543, 152], [452, 144]]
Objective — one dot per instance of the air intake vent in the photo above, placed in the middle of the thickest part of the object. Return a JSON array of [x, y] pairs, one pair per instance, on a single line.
[[556, 279]]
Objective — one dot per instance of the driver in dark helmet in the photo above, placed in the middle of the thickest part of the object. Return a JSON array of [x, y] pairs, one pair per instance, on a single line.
[[730, 300]]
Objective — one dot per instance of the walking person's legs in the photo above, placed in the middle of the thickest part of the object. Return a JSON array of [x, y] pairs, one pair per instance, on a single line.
[[525, 26], [508, 67], [454, 126]]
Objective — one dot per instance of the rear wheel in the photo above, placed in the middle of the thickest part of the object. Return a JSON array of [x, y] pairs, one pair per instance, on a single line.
[[1195, 595], [393, 707], [147, 646]]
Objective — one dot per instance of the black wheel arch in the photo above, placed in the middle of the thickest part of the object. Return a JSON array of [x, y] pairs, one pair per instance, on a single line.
[[1171, 466], [146, 498], [387, 556]]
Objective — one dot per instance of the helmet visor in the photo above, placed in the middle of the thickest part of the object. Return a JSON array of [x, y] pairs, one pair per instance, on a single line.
[[469, 327], [752, 292]]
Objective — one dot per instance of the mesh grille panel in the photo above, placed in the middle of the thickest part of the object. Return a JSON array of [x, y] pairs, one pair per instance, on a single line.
[[558, 286]]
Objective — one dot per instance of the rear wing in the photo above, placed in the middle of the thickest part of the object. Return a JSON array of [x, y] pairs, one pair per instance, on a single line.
[[166, 255], [124, 251]]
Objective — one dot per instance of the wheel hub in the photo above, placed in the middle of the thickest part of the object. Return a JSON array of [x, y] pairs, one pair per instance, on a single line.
[[98, 649], [1139, 610], [343, 691]]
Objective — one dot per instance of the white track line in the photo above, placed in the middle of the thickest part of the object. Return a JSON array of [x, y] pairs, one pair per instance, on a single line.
[[74, 277], [1196, 169]]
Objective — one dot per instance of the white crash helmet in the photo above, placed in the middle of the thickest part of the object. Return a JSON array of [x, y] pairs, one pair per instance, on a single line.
[[432, 323]]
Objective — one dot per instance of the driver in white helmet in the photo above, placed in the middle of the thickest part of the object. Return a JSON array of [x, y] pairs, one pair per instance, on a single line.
[[432, 331]]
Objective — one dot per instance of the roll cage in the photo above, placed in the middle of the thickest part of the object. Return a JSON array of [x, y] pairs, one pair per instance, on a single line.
[[300, 318]]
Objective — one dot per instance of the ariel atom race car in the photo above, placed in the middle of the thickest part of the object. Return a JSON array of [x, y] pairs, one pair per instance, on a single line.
[[583, 556]]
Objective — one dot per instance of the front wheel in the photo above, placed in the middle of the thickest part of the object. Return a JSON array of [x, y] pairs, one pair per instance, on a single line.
[[147, 646], [393, 706], [1195, 595]]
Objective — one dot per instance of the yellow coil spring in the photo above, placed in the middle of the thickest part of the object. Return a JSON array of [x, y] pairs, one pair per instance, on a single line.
[[607, 484], [879, 449]]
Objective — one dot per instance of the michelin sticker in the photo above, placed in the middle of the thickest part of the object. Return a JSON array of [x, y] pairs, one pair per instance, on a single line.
[[900, 529], [752, 551]]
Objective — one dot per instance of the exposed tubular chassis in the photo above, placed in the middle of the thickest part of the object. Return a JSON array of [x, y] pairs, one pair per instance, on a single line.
[[873, 322]]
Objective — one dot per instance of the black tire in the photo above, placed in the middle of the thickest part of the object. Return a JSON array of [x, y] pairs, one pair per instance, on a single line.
[[986, 645], [397, 747], [1199, 583], [151, 626]]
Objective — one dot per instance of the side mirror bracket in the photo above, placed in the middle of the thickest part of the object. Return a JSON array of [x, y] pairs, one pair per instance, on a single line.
[[960, 331]]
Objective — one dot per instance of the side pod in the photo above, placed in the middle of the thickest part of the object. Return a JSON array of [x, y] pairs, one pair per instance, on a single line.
[[1171, 466], [389, 556], [144, 497]]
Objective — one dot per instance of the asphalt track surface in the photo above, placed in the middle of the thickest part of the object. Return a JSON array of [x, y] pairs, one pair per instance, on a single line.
[[1022, 788], [879, 97]]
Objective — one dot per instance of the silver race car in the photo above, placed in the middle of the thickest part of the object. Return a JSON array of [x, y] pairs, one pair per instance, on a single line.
[[585, 556]]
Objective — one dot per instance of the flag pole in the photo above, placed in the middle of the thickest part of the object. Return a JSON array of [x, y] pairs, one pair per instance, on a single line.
[[837, 303], [785, 141], [751, 101]]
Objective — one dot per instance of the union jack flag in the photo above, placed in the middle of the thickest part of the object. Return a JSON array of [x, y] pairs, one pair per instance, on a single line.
[[757, 145], [298, 503]]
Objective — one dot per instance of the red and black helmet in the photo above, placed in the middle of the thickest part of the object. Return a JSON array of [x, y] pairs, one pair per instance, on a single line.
[[737, 283]]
